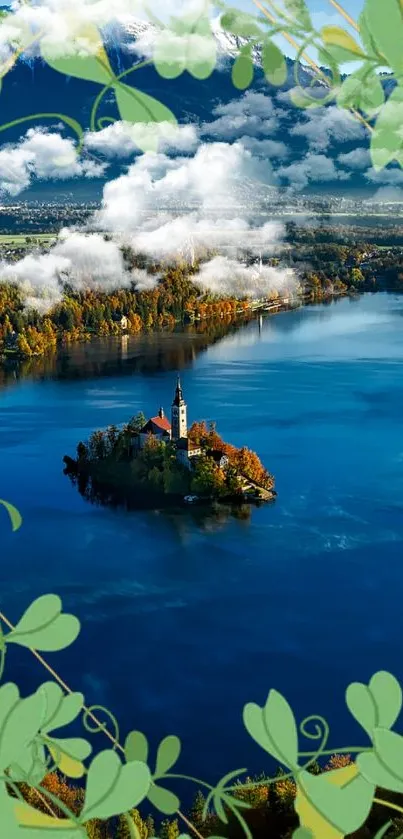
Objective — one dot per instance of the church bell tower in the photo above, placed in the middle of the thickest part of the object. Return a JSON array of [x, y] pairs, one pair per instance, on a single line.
[[179, 414]]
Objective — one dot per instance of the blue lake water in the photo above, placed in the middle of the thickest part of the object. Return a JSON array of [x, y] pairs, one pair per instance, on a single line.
[[185, 622]]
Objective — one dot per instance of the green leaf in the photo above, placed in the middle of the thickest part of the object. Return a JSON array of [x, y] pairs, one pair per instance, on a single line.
[[273, 728], [389, 748], [31, 766], [168, 753], [163, 799], [373, 770], [386, 138], [340, 55], [387, 694], [94, 67], [345, 808], [302, 833], [114, 788], [136, 746], [274, 64], [136, 106], [385, 26], [335, 36], [202, 60], [242, 71], [15, 516], [301, 99], [61, 709], [382, 830], [349, 93], [240, 23], [68, 753], [43, 627], [366, 37], [169, 55], [376, 704], [20, 722], [299, 10]]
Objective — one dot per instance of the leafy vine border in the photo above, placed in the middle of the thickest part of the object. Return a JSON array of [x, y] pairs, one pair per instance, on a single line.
[[329, 806], [188, 43]]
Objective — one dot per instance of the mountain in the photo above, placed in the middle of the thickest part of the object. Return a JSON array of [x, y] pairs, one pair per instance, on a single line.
[[33, 88]]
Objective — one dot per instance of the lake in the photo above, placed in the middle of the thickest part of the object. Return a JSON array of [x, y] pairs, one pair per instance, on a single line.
[[183, 621]]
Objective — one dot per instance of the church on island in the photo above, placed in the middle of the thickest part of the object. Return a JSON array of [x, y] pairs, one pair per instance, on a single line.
[[175, 431]]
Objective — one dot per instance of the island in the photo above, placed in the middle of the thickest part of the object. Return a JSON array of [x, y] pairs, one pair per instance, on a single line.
[[157, 462]]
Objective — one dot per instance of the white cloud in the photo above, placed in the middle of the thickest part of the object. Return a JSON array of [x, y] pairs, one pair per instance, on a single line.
[[313, 168], [42, 155], [226, 276], [251, 114], [390, 177], [210, 181], [123, 139], [322, 126], [359, 158]]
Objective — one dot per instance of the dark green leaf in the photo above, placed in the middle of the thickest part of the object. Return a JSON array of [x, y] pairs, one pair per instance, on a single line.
[[242, 71], [136, 746], [385, 26], [167, 755], [386, 138], [43, 627], [240, 23], [114, 788], [163, 799], [274, 64], [299, 10]]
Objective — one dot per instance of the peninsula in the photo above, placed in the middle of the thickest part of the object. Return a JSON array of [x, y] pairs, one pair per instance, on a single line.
[[157, 462]]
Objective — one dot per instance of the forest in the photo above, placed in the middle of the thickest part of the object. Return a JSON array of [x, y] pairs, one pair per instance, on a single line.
[[109, 458], [271, 812]]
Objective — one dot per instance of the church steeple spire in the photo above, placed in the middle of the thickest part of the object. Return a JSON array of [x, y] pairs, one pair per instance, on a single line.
[[179, 413]]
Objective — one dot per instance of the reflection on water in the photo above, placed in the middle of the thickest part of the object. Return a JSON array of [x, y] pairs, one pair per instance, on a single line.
[[142, 354]]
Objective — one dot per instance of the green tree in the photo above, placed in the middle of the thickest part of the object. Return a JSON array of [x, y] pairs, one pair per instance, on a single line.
[[169, 829], [137, 422], [196, 811]]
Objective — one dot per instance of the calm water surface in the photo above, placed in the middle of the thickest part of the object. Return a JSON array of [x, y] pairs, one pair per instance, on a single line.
[[184, 622]]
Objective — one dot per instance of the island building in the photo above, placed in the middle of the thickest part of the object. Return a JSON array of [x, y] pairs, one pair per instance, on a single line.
[[176, 431]]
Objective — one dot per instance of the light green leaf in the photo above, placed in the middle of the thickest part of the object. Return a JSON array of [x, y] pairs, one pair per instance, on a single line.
[[385, 26], [240, 23], [43, 627], [349, 93], [366, 37], [344, 807], [273, 728], [112, 787], [389, 748], [302, 833], [274, 64], [136, 106], [387, 694], [20, 722], [31, 766], [374, 771], [387, 136], [280, 723], [242, 71], [94, 67], [61, 709], [382, 830], [169, 55], [168, 753], [202, 59], [299, 10], [68, 753], [136, 746], [301, 99], [15, 516], [163, 799], [377, 704], [335, 36]]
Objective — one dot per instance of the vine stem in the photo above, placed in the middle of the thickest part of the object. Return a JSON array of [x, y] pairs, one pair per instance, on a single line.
[[92, 716], [388, 804], [309, 61], [111, 84]]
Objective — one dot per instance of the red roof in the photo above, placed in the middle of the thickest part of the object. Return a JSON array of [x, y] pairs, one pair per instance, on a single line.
[[161, 422]]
